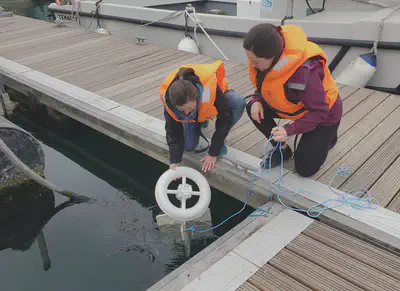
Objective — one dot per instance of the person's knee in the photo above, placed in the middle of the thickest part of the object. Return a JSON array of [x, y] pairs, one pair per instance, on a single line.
[[238, 110], [305, 170], [190, 144], [190, 147], [241, 104]]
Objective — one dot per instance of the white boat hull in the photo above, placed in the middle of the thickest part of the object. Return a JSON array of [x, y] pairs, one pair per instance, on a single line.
[[349, 31]]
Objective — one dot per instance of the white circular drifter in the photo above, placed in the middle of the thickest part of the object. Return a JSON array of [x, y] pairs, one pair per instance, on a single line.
[[183, 193]]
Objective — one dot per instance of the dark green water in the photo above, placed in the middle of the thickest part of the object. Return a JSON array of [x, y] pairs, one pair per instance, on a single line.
[[81, 239], [32, 8]]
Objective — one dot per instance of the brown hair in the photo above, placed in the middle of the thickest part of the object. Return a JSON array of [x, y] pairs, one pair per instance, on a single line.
[[264, 40], [182, 91]]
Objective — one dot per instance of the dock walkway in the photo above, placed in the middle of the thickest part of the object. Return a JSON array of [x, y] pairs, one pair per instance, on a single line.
[[110, 84]]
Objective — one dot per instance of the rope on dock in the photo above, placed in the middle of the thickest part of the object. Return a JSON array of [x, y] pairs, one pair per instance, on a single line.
[[358, 199]]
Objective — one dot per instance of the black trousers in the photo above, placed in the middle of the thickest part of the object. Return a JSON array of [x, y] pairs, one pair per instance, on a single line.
[[312, 148]]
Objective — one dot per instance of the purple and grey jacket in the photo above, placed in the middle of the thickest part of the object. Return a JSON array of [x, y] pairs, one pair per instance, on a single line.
[[305, 85]]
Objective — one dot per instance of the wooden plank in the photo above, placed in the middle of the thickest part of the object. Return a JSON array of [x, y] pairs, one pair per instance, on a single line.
[[250, 140], [123, 65], [88, 72], [308, 273], [270, 279], [379, 218], [40, 47], [258, 149], [360, 250], [20, 45], [361, 152], [83, 62], [273, 237], [241, 131], [339, 86], [36, 34], [69, 51], [346, 91], [374, 168], [131, 81], [362, 109], [241, 122], [193, 268], [246, 89], [356, 272], [14, 24], [46, 83], [119, 74], [248, 287], [356, 98], [85, 66], [352, 137], [78, 54], [395, 203], [227, 274], [240, 74], [28, 32], [231, 68], [387, 187]]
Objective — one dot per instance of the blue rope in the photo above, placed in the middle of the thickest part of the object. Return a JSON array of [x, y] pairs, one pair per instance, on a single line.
[[263, 212], [358, 199]]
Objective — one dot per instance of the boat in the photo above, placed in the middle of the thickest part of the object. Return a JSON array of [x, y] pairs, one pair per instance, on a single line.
[[26, 148], [346, 29]]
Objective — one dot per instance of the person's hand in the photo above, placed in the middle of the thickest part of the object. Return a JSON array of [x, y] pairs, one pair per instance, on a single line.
[[257, 111], [209, 163], [173, 166], [279, 134]]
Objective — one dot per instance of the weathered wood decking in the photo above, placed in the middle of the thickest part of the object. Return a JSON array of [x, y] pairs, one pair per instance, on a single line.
[[111, 84], [130, 74], [286, 251]]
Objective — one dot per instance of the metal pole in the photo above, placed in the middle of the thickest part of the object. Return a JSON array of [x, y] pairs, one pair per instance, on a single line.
[[44, 253], [289, 9]]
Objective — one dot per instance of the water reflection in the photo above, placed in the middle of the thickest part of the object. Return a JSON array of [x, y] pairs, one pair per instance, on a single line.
[[31, 8], [24, 212], [115, 241]]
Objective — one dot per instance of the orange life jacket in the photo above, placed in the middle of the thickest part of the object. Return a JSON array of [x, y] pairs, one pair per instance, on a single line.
[[210, 76], [297, 50]]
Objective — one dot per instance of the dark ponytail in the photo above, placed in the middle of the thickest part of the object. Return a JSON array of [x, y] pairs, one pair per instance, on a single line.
[[264, 40], [182, 91]]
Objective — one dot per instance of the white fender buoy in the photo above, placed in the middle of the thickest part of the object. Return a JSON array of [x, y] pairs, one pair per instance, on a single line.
[[358, 72], [102, 31], [188, 44], [183, 193]]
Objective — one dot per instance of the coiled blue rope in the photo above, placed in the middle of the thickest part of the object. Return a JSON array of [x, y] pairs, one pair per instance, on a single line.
[[358, 199]]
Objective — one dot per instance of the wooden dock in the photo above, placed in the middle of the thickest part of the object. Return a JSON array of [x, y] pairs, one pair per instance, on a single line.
[[110, 84], [286, 251]]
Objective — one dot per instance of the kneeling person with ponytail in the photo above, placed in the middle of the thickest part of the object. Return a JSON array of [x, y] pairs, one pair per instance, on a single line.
[[192, 95], [292, 81]]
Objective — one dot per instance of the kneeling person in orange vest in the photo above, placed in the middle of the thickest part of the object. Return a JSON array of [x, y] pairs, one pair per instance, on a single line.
[[192, 95], [292, 81]]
